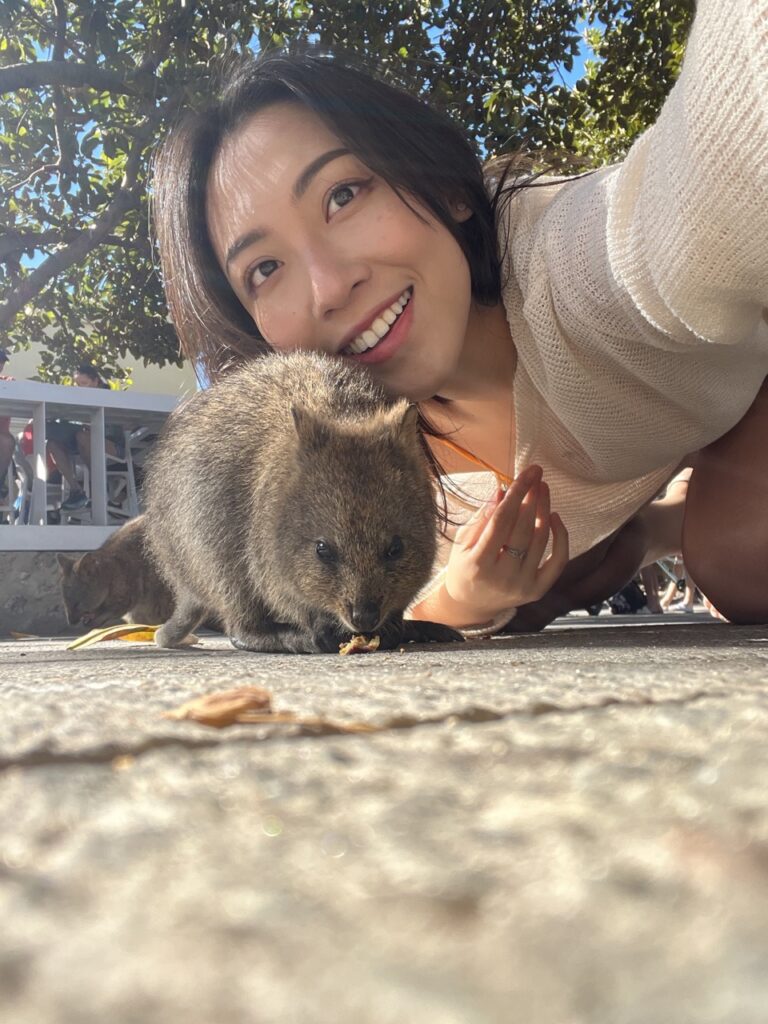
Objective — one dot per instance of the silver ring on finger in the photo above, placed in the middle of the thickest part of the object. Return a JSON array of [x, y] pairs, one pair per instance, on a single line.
[[518, 553]]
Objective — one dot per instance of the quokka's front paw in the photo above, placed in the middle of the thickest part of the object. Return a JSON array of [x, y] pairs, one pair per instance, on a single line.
[[292, 642], [240, 645], [168, 637], [327, 639], [417, 631]]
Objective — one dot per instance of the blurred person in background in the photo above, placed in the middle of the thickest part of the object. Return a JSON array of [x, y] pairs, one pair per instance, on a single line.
[[7, 440]]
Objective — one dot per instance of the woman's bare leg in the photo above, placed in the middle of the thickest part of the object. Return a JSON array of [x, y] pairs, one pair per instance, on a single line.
[[725, 533]]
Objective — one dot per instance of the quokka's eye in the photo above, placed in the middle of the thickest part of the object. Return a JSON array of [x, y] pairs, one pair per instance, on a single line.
[[325, 552], [395, 549]]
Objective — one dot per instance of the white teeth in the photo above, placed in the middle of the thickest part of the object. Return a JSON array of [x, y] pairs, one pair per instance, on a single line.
[[380, 326]]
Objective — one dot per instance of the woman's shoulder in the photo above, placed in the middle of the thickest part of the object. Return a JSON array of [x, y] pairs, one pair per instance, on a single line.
[[523, 204]]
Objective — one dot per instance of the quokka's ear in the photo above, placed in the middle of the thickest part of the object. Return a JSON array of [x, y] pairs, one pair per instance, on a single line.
[[66, 563], [312, 431], [89, 562], [407, 422]]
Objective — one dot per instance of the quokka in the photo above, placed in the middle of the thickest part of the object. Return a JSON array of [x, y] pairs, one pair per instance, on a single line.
[[117, 581], [293, 501]]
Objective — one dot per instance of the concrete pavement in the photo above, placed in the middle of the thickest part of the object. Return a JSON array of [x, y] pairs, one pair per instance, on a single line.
[[553, 829]]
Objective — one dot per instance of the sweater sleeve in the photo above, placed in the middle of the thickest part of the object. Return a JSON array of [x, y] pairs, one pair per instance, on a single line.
[[687, 210]]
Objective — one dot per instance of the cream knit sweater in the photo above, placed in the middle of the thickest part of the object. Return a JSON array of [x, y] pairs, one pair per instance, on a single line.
[[637, 295]]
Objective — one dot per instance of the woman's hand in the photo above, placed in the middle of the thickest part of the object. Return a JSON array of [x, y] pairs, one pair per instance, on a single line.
[[496, 559]]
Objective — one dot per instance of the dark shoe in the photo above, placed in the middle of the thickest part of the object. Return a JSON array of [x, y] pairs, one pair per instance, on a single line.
[[76, 500]]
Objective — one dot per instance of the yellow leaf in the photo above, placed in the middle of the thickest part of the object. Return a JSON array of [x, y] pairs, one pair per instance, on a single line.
[[127, 631], [138, 636]]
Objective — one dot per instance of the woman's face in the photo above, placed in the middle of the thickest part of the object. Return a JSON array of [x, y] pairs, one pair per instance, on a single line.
[[324, 255]]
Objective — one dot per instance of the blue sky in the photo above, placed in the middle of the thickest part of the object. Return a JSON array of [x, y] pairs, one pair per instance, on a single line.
[[571, 77]]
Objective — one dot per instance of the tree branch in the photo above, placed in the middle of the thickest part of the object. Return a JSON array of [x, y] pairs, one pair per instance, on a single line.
[[58, 72], [44, 169], [64, 138], [127, 197], [12, 242]]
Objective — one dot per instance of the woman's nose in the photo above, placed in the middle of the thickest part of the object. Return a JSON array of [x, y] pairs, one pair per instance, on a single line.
[[333, 278]]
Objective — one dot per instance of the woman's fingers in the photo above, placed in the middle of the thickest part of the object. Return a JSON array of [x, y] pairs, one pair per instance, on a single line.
[[483, 575], [499, 527], [539, 535], [558, 559], [520, 536], [468, 534]]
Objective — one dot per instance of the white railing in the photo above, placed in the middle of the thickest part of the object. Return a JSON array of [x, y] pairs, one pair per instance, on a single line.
[[96, 407]]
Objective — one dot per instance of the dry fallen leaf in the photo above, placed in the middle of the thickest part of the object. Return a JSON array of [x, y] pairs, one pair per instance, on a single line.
[[251, 705], [131, 631], [22, 636], [224, 707], [360, 645]]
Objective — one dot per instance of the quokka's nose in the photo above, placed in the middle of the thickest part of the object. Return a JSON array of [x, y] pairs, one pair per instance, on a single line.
[[365, 615]]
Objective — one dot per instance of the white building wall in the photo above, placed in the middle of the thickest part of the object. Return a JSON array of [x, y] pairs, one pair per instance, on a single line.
[[154, 380]]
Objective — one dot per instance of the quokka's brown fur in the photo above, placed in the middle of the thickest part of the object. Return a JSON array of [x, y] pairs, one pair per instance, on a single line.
[[293, 501], [116, 581]]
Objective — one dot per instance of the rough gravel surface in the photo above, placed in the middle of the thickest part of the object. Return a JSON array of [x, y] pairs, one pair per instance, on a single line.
[[553, 829]]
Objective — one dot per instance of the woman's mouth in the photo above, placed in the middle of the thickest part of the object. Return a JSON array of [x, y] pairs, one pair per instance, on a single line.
[[385, 334]]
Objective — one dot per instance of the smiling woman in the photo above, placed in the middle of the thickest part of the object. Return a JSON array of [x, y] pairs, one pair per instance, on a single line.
[[581, 338]]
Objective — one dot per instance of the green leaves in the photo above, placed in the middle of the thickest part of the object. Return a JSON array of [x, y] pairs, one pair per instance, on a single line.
[[107, 83], [638, 46]]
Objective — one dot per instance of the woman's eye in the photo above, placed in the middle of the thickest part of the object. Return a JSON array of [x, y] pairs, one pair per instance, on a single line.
[[257, 275], [342, 195]]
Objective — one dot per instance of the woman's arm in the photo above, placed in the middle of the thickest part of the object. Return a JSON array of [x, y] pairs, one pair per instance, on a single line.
[[687, 225], [596, 575]]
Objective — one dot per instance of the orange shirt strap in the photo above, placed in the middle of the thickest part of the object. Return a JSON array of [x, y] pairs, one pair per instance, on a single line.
[[502, 478]]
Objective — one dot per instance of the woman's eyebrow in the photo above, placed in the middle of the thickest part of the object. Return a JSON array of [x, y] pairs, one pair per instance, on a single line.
[[300, 187], [306, 176], [243, 242]]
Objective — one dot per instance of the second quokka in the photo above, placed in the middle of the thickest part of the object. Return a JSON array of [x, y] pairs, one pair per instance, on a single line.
[[293, 500]]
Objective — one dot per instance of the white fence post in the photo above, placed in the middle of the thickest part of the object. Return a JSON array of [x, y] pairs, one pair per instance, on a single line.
[[37, 512], [98, 469]]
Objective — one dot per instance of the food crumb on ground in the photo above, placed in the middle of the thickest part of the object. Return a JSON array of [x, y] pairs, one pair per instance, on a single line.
[[360, 644]]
